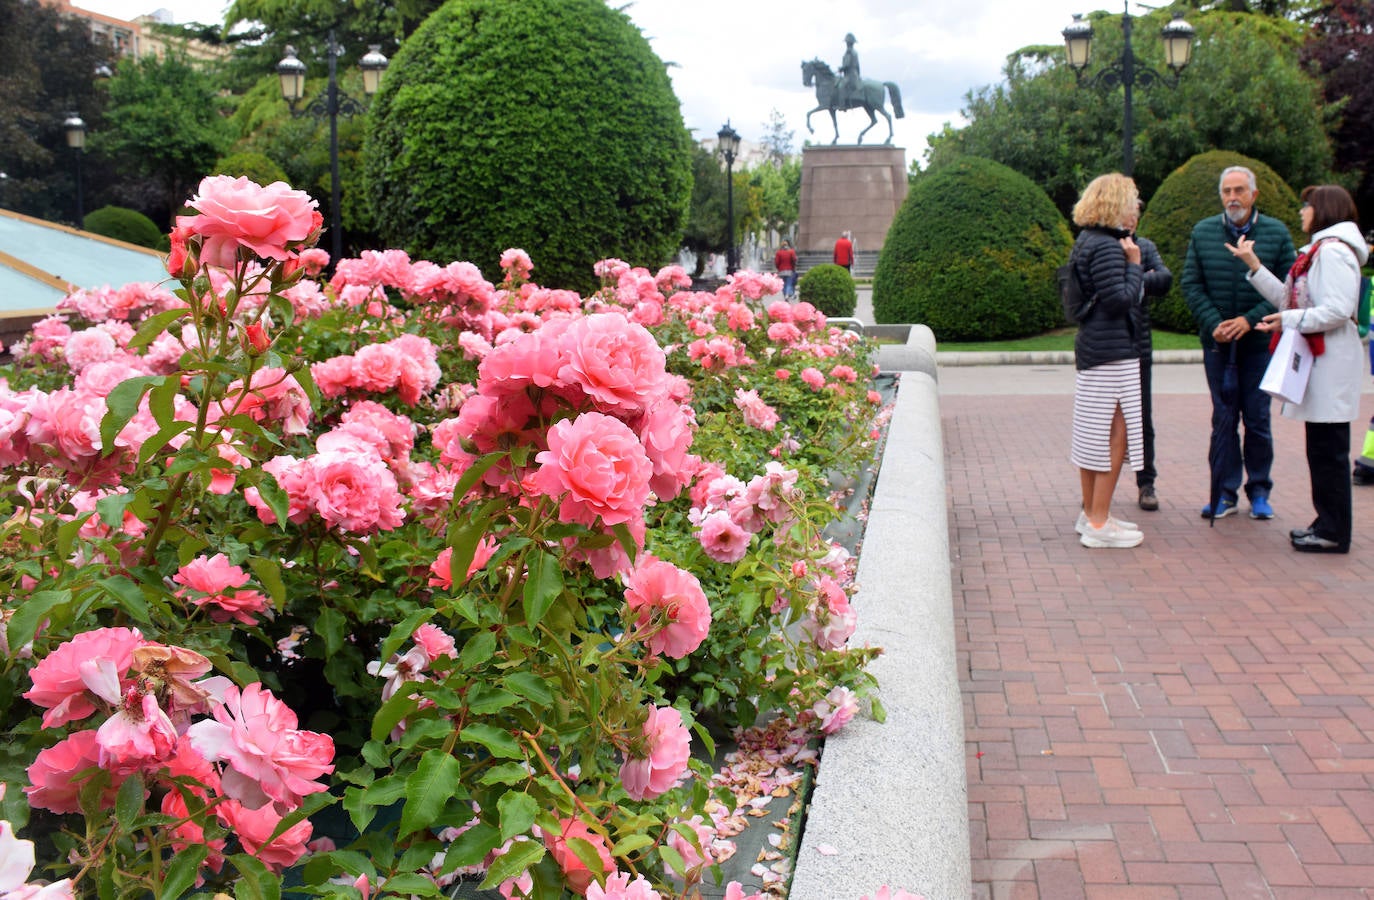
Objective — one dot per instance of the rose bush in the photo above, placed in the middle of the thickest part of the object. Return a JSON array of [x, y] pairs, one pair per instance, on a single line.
[[472, 564]]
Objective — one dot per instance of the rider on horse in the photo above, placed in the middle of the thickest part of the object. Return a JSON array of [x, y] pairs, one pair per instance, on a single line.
[[851, 85]]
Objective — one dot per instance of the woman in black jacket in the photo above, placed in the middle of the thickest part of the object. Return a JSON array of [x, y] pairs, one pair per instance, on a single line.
[[1106, 404]]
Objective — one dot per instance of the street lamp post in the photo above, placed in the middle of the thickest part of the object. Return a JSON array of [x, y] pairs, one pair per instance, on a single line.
[[1178, 49], [334, 103], [727, 141], [76, 139]]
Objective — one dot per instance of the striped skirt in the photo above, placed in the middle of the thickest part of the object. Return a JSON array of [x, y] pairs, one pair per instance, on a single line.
[[1097, 393]]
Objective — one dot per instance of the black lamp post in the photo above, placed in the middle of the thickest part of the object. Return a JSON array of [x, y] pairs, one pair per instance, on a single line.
[[1178, 50], [333, 104], [76, 139], [727, 142]]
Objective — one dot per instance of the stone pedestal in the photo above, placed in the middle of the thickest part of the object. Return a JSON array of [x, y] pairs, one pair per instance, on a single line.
[[857, 189]]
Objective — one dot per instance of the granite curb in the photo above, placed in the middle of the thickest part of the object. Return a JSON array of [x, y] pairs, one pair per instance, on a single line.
[[890, 804]]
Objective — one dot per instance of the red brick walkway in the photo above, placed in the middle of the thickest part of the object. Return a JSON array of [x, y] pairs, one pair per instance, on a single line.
[[1193, 718]]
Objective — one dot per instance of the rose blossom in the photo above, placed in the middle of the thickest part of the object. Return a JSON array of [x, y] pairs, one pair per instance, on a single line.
[[255, 826], [813, 378], [138, 736], [574, 869], [17, 861], [657, 759], [215, 582], [836, 710], [615, 362], [620, 887], [735, 891], [722, 538], [268, 757], [657, 585], [598, 467], [832, 620], [53, 775], [353, 492], [757, 413], [694, 855], [62, 680], [234, 212]]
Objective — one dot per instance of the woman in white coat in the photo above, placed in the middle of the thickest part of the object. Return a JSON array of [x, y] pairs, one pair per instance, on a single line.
[[1318, 298]]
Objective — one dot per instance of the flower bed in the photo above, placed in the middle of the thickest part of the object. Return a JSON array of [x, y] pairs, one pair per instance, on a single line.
[[469, 563]]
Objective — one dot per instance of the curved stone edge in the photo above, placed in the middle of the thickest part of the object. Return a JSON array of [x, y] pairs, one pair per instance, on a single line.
[[1048, 358], [891, 800], [916, 355]]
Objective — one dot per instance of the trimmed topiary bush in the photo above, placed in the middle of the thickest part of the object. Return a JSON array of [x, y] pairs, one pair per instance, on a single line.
[[255, 166], [972, 254], [546, 124], [123, 224], [1190, 194], [829, 288]]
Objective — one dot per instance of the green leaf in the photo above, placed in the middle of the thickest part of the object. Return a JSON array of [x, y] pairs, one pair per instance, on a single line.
[[632, 843], [511, 864], [464, 538], [586, 851], [402, 631], [159, 440], [181, 872], [531, 687], [472, 846], [162, 402], [474, 474], [31, 613], [542, 585], [477, 650], [331, 625], [392, 712], [673, 859], [129, 595], [111, 508], [129, 801], [255, 881], [517, 813], [121, 404], [428, 790], [484, 700], [268, 573], [749, 602], [505, 773], [879, 711], [498, 741], [155, 325]]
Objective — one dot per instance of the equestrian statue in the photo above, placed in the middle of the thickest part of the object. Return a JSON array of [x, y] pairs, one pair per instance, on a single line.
[[849, 91]]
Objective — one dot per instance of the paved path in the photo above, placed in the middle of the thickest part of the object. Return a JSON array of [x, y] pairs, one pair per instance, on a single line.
[[1193, 718]]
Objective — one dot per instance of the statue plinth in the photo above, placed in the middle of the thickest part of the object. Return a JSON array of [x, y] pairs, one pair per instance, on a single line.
[[849, 188]]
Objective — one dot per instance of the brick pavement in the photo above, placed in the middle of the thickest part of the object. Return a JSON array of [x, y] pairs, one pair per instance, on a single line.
[[1192, 718]]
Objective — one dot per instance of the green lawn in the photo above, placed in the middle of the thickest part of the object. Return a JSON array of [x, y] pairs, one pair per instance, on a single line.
[[1061, 339]]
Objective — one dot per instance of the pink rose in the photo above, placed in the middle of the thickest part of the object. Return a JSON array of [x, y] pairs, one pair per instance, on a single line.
[[757, 413], [354, 492], [620, 887], [574, 869], [434, 641], [598, 468], [376, 367], [813, 378], [666, 430], [657, 759], [832, 620], [61, 682], [255, 826], [836, 710], [54, 780], [234, 212], [268, 758], [662, 593], [735, 891], [694, 854], [138, 736], [214, 582], [617, 363], [722, 538]]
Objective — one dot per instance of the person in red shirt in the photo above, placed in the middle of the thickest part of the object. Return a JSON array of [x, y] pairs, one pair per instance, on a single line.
[[844, 252], [785, 261]]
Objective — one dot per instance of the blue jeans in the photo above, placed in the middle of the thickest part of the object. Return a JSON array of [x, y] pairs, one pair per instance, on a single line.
[[789, 282], [1258, 455]]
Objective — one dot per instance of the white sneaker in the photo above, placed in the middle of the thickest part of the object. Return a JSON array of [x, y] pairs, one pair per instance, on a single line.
[[1110, 536], [1082, 524]]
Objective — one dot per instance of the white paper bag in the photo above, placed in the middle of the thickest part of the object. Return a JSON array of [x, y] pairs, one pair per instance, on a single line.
[[1289, 368]]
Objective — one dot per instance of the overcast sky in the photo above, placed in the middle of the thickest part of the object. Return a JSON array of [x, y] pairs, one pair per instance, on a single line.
[[741, 59]]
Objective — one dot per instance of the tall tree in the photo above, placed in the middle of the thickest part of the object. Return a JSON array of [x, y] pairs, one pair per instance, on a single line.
[[165, 129], [778, 138], [1341, 52], [1245, 91], [47, 69]]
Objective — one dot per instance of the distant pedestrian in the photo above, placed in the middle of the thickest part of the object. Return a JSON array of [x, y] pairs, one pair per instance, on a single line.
[[1106, 402], [785, 261], [844, 252], [1158, 280], [1318, 298], [1227, 308]]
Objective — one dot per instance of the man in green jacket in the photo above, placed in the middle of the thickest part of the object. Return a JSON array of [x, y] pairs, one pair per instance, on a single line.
[[1226, 308]]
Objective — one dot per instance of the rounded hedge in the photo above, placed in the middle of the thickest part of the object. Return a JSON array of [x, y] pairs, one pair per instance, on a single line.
[[123, 224], [829, 288], [972, 254], [1190, 194], [548, 125], [258, 167]]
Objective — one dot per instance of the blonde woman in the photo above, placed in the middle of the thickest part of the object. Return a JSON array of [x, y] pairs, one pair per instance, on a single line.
[[1106, 403]]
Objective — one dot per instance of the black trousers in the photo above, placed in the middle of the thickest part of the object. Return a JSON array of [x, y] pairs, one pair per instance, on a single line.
[[1328, 463], [1146, 476]]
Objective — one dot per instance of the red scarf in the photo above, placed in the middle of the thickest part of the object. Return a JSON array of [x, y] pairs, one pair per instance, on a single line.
[[1316, 342]]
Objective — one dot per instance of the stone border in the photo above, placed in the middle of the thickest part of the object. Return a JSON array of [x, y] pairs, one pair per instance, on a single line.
[[890, 804]]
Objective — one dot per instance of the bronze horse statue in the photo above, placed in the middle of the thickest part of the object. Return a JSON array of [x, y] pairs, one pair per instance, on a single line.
[[870, 98]]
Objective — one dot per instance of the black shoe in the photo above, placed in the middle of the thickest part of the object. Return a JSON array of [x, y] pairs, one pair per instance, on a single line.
[[1311, 543], [1299, 533], [1362, 475], [1148, 501]]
